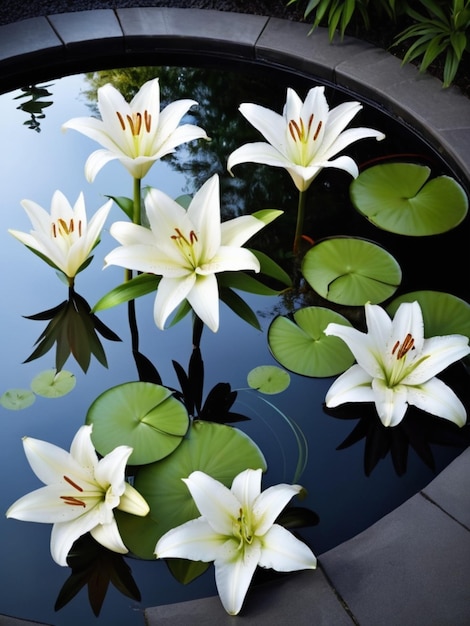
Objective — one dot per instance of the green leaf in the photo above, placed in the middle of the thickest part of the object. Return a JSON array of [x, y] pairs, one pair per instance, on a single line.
[[400, 198], [351, 271], [245, 282], [142, 415], [138, 286], [270, 268], [239, 307], [443, 313], [268, 379], [301, 346], [125, 204], [267, 215], [53, 384], [16, 399], [216, 449]]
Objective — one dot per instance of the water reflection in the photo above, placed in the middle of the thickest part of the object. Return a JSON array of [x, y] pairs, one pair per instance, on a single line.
[[215, 387]]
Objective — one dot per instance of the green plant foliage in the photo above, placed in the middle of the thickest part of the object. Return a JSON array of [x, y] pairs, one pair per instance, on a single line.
[[17, 399], [443, 313], [134, 288], [53, 384], [219, 450], [351, 271], [400, 198], [301, 346], [268, 379], [443, 29], [142, 415]]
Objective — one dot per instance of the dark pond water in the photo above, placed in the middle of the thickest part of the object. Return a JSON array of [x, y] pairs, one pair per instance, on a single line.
[[37, 158]]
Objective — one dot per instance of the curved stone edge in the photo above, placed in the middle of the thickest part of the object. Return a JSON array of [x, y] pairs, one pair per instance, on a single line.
[[36, 47], [40, 48]]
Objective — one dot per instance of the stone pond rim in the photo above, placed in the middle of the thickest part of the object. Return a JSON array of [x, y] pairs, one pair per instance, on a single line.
[[41, 48]]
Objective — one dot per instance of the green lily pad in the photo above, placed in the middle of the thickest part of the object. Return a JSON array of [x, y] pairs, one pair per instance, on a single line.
[[16, 399], [53, 384], [301, 346], [217, 449], [443, 313], [142, 415], [268, 379], [399, 198], [351, 271]]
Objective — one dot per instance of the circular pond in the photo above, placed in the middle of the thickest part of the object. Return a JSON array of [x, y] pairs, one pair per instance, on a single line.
[[347, 489]]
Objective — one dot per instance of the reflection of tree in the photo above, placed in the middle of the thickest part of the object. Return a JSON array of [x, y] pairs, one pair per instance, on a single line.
[[34, 105], [219, 94]]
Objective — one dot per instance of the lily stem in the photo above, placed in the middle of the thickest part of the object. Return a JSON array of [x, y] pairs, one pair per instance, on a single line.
[[300, 221], [136, 217]]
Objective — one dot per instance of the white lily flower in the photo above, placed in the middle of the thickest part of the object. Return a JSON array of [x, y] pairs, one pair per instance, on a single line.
[[136, 133], [396, 366], [80, 493], [305, 138], [63, 236], [187, 248], [236, 530]]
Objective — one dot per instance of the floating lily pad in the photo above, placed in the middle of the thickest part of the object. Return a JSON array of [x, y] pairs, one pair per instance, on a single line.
[[16, 399], [398, 197], [351, 271], [142, 415], [53, 384], [443, 313], [268, 379], [301, 346], [219, 450]]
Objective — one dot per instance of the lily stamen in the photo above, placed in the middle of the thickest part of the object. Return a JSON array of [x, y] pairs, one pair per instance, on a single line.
[[317, 132], [74, 485], [73, 501], [406, 346]]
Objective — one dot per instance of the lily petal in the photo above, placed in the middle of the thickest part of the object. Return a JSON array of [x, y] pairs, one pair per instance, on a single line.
[[437, 398], [194, 540], [215, 502], [390, 402], [284, 552], [270, 503], [354, 385], [108, 536], [233, 575]]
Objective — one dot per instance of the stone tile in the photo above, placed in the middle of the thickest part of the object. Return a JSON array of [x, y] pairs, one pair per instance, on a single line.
[[302, 599], [94, 30], [447, 489], [412, 567], [288, 44], [186, 30], [456, 144], [22, 44]]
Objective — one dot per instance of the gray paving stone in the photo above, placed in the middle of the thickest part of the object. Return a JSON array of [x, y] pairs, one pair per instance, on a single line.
[[94, 30], [6, 620], [302, 599], [25, 41], [410, 568], [226, 34], [288, 44], [448, 488]]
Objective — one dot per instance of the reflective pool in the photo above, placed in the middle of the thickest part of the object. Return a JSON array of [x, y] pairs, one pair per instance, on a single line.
[[38, 159]]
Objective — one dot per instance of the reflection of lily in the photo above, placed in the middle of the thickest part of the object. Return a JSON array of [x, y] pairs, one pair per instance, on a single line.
[[396, 366], [136, 133], [80, 493], [237, 532], [63, 238], [304, 138], [187, 248]]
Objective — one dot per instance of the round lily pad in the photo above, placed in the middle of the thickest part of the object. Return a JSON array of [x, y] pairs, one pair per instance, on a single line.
[[16, 399], [400, 198], [301, 346], [351, 271], [142, 415], [443, 313], [53, 384], [217, 449], [268, 379]]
